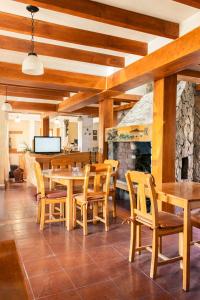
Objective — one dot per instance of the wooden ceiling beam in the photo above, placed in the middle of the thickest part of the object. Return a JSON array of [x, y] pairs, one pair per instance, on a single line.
[[126, 98], [124, 107], [193, 3], [81, 100], [28, 92], [21, 45], [30, 106], [52, 79], [189, 75], [172, 58], [52, 31], [111, 15]]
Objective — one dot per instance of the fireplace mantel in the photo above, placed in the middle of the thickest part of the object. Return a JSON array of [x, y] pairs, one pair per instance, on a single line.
[[134, 133]]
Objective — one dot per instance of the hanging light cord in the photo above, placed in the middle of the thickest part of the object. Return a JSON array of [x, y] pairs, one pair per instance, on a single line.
[[32, 33]]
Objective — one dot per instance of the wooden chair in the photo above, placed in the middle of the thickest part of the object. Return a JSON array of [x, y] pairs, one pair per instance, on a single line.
[[160, 222], [48, 199], [112, 193], [88, 198]]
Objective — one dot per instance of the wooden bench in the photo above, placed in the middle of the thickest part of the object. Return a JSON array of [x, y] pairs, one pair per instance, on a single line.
[[12, 283]]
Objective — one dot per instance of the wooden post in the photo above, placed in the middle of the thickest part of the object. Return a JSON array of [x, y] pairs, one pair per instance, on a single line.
[[105, 121], [45, 126], [164, 130]]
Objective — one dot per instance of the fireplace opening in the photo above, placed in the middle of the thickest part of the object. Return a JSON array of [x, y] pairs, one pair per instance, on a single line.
[[184, 169]]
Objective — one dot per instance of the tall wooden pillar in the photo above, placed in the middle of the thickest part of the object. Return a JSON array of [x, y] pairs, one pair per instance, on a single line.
[[45, 126], [164, 129], [105, 121]]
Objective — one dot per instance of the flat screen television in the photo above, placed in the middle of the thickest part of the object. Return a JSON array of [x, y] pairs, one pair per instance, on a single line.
[[47, 144]]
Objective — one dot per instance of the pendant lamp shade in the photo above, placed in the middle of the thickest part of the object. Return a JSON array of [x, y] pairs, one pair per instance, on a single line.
[[32, 65], [6, 106]]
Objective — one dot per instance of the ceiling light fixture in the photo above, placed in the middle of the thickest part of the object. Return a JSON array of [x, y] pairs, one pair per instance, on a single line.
[[31, 64], [6, 106]]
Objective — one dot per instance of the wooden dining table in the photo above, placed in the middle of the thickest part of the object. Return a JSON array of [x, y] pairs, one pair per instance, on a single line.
[[66, 178], [185, 195]]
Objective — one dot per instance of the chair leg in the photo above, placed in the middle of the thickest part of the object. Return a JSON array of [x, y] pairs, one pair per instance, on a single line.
[[154, 257], [85, 229], [180, 247], [42, 218], [74, 214], [38, 212], [114, 204], [95, 212], [106, 216], [139, 237], [160, 244], [132, 242]]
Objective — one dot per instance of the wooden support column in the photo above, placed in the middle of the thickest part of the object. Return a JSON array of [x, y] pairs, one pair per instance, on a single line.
[[105, 121], [45, 126], [164, 130]]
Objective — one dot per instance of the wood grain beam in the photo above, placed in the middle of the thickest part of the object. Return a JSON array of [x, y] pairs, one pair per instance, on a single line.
[[126, 98], [189, 75], [28, 92], [111, 15], [124, 107], [198, 87], [81, 100], [21, 45], [193, 3], [52, 31], [172, 58], [52, 79], [30, 106]]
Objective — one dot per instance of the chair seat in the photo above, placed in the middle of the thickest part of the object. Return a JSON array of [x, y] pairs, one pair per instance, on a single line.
[[167, 220], [53, 194], [195, 217], [91, 196]]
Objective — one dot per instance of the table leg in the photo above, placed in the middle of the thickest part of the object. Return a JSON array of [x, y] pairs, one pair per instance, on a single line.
[[186, 248], [69, 205]]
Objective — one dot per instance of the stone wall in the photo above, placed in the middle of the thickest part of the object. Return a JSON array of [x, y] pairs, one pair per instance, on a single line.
[[185, 109], [196, 169]]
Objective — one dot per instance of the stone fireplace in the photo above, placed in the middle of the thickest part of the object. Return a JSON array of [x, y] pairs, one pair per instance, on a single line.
[[136, 155]]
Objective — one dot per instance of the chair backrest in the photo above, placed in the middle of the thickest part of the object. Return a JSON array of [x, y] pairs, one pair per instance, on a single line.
[[79, 159], [145, 186], [39, 179], [114, 164], [98, 172]]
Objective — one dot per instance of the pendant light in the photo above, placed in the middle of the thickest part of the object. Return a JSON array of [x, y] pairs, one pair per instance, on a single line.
[[6, 106], [31, 64]]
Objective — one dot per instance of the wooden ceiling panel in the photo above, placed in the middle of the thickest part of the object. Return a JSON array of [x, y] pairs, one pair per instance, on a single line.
[[30, 106], [52, 79], [15, 44], [126, 98], [189, 75], [52, 31], [111, 15]]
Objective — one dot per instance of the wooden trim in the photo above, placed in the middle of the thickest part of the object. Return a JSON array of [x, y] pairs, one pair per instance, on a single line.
[[172, 58], [193, 3], [15, 132], [21, 45], [52, 79], [68, 34], [111, 15]]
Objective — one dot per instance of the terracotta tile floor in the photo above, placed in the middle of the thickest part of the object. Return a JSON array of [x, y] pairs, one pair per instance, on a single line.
[[65, 265]]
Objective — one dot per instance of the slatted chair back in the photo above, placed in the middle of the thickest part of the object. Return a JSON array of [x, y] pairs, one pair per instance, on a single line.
[[144, 183], [79, 159], [115, 166], [98, 172], [39, 179], [62, 163]]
